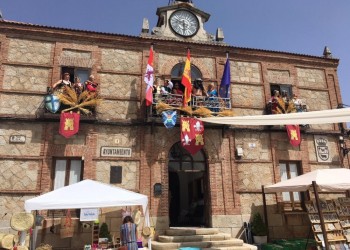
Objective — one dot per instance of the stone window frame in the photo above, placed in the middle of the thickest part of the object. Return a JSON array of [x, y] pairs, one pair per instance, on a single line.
[[75, 213], [291, 205]]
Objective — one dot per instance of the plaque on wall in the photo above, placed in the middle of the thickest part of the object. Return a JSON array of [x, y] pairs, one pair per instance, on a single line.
[[115, 152], [115, 175], [17, 138], [322, 148]]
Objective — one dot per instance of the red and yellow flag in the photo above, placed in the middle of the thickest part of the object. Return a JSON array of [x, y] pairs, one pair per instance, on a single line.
[[186, 79], [294, 135]]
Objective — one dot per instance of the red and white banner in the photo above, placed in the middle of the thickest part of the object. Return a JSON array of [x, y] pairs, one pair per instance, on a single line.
[[294, 135], [192, 134], [69, 124], [149, 79]]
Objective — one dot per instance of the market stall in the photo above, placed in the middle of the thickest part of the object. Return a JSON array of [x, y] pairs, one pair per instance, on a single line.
[[88, 194], [325, 180]]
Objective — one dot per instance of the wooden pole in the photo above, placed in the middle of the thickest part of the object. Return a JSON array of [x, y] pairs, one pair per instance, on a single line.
[[320, 214]]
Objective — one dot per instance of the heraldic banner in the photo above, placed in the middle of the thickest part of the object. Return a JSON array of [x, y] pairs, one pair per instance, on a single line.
[[192, 134], [294, 134], [69, 124]]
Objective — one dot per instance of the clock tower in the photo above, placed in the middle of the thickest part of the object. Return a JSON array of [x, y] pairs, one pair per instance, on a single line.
[[183, 21]]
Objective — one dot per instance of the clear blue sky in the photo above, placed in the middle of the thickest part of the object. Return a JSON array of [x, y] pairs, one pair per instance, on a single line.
[[298, 26]]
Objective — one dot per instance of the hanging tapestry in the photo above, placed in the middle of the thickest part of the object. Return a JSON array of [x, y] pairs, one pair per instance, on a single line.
[[294, 134], [192, 134], [69, 124], [169, 118]]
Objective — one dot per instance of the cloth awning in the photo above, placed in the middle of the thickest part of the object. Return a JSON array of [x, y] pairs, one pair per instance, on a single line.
[[334, 179], [86, 194], [313, 117]]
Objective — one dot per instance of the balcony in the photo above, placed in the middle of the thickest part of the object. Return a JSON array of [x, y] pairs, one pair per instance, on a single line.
[[175, 102]]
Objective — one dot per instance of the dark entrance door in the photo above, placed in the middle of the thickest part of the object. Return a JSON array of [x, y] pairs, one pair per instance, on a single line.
[[188, 200]]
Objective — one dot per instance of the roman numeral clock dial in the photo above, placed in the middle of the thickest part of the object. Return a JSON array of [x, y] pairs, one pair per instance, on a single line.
[[184, 23]]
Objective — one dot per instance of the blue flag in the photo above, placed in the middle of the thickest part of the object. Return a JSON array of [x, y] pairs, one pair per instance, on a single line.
[[225, 81]]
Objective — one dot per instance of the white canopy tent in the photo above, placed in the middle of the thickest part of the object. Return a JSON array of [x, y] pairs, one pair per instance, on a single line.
[[89, 194], [331, 180], [327, 180], [313, 117]]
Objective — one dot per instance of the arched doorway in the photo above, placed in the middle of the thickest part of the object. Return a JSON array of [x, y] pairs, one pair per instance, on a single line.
[[188, 195]]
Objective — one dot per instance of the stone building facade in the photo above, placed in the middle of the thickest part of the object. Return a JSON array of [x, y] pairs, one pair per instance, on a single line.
[[32, 58]]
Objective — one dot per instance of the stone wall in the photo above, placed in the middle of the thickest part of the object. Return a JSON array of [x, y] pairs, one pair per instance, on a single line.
[[120, 60], [166, 62], [13, 104], [19, 175], [118, 110], [119, 86], [248, 96], [119, 137], [32, 133], [245, 72], [29, 51], [279, 76], [130, 173], [311, 78], [26, 78], [256, 146]]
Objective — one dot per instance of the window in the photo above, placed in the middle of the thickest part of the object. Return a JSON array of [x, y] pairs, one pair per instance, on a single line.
[[283, 89], [291, 200], [178, 69], [83, 74], [67, 172], [289, 170]]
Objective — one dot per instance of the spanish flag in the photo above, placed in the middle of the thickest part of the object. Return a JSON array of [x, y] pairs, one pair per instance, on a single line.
[[186, 79]]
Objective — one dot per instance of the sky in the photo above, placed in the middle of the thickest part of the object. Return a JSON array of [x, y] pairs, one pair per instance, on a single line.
[[298, 26]]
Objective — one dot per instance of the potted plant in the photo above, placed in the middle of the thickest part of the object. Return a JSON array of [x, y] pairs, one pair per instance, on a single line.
[[104, 235], [259, 229]]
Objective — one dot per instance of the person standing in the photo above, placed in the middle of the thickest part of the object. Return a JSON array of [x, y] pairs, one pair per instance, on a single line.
[[166, 89], [128, 233], [90, 84], [61, 84], [78, 86]]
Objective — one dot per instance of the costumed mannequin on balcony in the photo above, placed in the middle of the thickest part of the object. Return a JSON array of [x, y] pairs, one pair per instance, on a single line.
[[61, 84], [275, 99]]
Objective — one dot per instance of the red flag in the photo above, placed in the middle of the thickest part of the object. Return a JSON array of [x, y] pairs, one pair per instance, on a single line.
[[149, 78], [294, 134], [69, 124], [192, 134], [186, 79]]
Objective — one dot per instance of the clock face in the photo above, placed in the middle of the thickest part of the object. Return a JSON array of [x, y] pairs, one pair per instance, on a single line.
[[184, 23]]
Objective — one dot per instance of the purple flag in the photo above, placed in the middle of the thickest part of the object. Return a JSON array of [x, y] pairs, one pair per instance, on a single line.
[[225, 81]]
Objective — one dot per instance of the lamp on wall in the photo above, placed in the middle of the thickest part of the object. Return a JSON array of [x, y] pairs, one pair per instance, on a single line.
[[343, 147]]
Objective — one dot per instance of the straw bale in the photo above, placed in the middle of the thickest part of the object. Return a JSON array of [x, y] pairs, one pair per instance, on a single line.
[[7, 241], [22, 221]]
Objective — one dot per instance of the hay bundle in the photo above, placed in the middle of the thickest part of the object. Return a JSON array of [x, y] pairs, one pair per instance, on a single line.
[[44, 247], [161, 106], [7, 241], [226, 113], [22, 221], [81, 102], [203, 112], [187, 110]]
